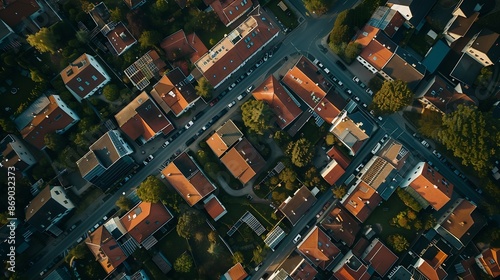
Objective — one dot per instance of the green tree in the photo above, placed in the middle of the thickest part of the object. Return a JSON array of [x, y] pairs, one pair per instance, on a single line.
[[204, 88], [329, 139], [392, 97], [429, 222], [54, 141], [282, 138], [484, 77], [256, 116], [37, 76], [184, 263], [111, 92], [124, 203], [352, 51], [151, 190], [150, 39], [318, 7], [471, 136], [339, 191], [117, 15], [44, 40], [87, 6], [398, 242], [82, 36], [312, 178], [212, 236], [7, 125], [279, 197], [375, 83], [430, 123], [188, 222], [300, 152], [259, 253], [78, 252], [408, 200], [288, 177], [238, 257]]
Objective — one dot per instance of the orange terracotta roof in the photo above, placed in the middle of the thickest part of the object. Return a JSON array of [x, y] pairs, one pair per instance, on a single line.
[[362, 201], [105, 249], [490, 261], [433, 187], [318, 248], [199, 47], [142, 117], [351, 268], [185, 176], [366, 35], [224, 138], [214, 207], [178, 45], [237, 272], [273, 93], [145, 219], [230, 10], [395, 153], [243, 161], [431, 272], [120, 38], [17, 11], [336, 154], [343, 226], [332, 172], [380, 258], [376, 54]]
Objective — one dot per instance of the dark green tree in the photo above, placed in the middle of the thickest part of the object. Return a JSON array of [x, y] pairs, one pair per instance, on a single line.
[[111, 92], [256, 116], [124, 203], [288, 177], [37, 76], [339, 191], [430, 123], [312, 178], [44, 40], [82, 36], [408, 200], [151, 190], [392, 97], [78, 252], [278, 197], [7, 125], [300, 152], [54, 141], [375, 83], [117, 15], [184, 263], [318, 7], [150, 39], [204, 88], [188, 222], [398, 242], [238, 257], [259, 253], [352, 51]]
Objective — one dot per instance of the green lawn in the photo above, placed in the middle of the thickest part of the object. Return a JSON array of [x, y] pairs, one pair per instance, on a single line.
[[288, 17], [212, 38]]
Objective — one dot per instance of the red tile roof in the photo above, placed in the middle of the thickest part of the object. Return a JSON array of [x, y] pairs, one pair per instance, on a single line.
[[224, 138], [17, 11], [243, 161], [236, 272], [120, 38], [380, 258], [336, 154], [342, 225], [178, 45], [105, 249], [230, 10], [366, 35], [82, 77], [236, 48], [273, 93], [362, 201], [432, 268], [376, 54], [489, 259], [145, 219], [214, 207], [332, 172], [432, 186], [318, 248], [351, 268], [142, 117]]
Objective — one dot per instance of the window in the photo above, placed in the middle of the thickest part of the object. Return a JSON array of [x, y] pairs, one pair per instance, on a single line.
[[65, 202], [87, 83], [56, 119], [80, 88], [79, 79], [94, 78], [492, 261], [58, 192]]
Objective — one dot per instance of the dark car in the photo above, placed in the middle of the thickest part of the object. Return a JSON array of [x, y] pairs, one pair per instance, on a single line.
[[190, 141], [341, 65], [198, 115]]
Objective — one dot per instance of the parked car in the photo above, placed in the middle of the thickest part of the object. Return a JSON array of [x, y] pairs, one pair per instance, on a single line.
[[250, 88], [230, 105], [231, 86], [384, 138], [359, 167], [297, 238], [425, 144], [327, 71], [189, 124], [355, 79], [148, 159], [380, 118], [214, 101], [369, 91], [437, 154], [376, 148], [356, 99], [165, 144], [364, 105], [340, 83], [348, 91], [341, 65]]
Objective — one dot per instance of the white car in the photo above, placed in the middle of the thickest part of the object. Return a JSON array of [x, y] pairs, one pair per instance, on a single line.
[[384, 138], [297, 238], [356, 99], [189, 124], [327, 71], [348, 91], [359, 167], [165, 144], [355, 79], [231, 104], [249, 89], [425, 143], [239, 97], [369, 91], [376, 148]]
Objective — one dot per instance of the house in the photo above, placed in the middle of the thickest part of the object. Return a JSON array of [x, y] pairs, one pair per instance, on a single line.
[[20, 15], [142, 120], [236, 272], [379, 257], [460, 223], [243, 161], [237, 48], [351, 268], [15, 154], [147, 67], [178, 45], [188, 179], [84, 77], [378, 48], [339, 157], [428, 186], [142, 221], [279, 100], [438, 95], [435, 55], [230, 10], [430, 259], [319, 249], [107, 161], [48, 208], [376, 172], [119, 38], [387, 20], [105, 249], [305, 80], [295, 267], [466, 12], [45, 115], [361, 200], [414, 11], [133, 4], [295, 207], [467, 269], [394, 152], [352, 131], [214, 207], [403, 66], [100, 15], [5, 33], [224, 138], [174, 93], [340, 225], [332, 172], [488, 261]]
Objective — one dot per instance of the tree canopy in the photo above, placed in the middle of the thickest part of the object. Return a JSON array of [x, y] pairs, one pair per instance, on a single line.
[[188, 222], [300, 152], [288, 177], [184, 263], [238, 257], [54, 141], [472, 136], [430, 123], [318, 7], [256, 116], [398, 242], [151, 190], [392, 97], [339, 191], [204, 88], [149, 39], [44, 40], [111, 92], [124, 203]]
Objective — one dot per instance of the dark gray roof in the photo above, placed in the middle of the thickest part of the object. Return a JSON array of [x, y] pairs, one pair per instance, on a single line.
[[461, 25], [466, 69], [488, 43], [298, 205], [403, 66], [420, 9], [468, 7]]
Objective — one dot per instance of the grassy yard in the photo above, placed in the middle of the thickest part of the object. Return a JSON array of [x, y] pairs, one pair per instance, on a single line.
[[24, 87], [212, 38], [287, 17]]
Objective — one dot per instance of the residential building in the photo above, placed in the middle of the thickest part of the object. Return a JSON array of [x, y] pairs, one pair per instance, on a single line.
[[20, 15], [224, 138], [488, 261], [413, 11], [283, 104], [438, 95], [100, 15], [430, 257], [376, 172], [84, 77], [133, 4], [352, 130], [45, 115], [107, 161], [237, 48], [230, 10], [178, 45], [243, 161], [188, 179], [403, 66], [339, 157], [174, 93], [48, 208], [394, 152], [435, 56], [378, 48], [332, 172], [295, 207], [147, 67], [428, 186], [361, 200], [295, 267], [400, 273], [15, 154], [460, 223], [465, 14], [341, 226], [105, 249], [305, 80], [5, 32], [119, 38], [236, 272], [142, 120], [214, 207], [351, 268], [467, 269], [379, 257], [319, 249], [386, 19]]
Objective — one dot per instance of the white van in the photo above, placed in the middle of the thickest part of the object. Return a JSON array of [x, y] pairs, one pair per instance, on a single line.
[[376, 148]]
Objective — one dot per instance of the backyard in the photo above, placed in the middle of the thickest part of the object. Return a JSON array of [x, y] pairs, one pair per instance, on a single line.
[[287, 17], [15, 91]]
